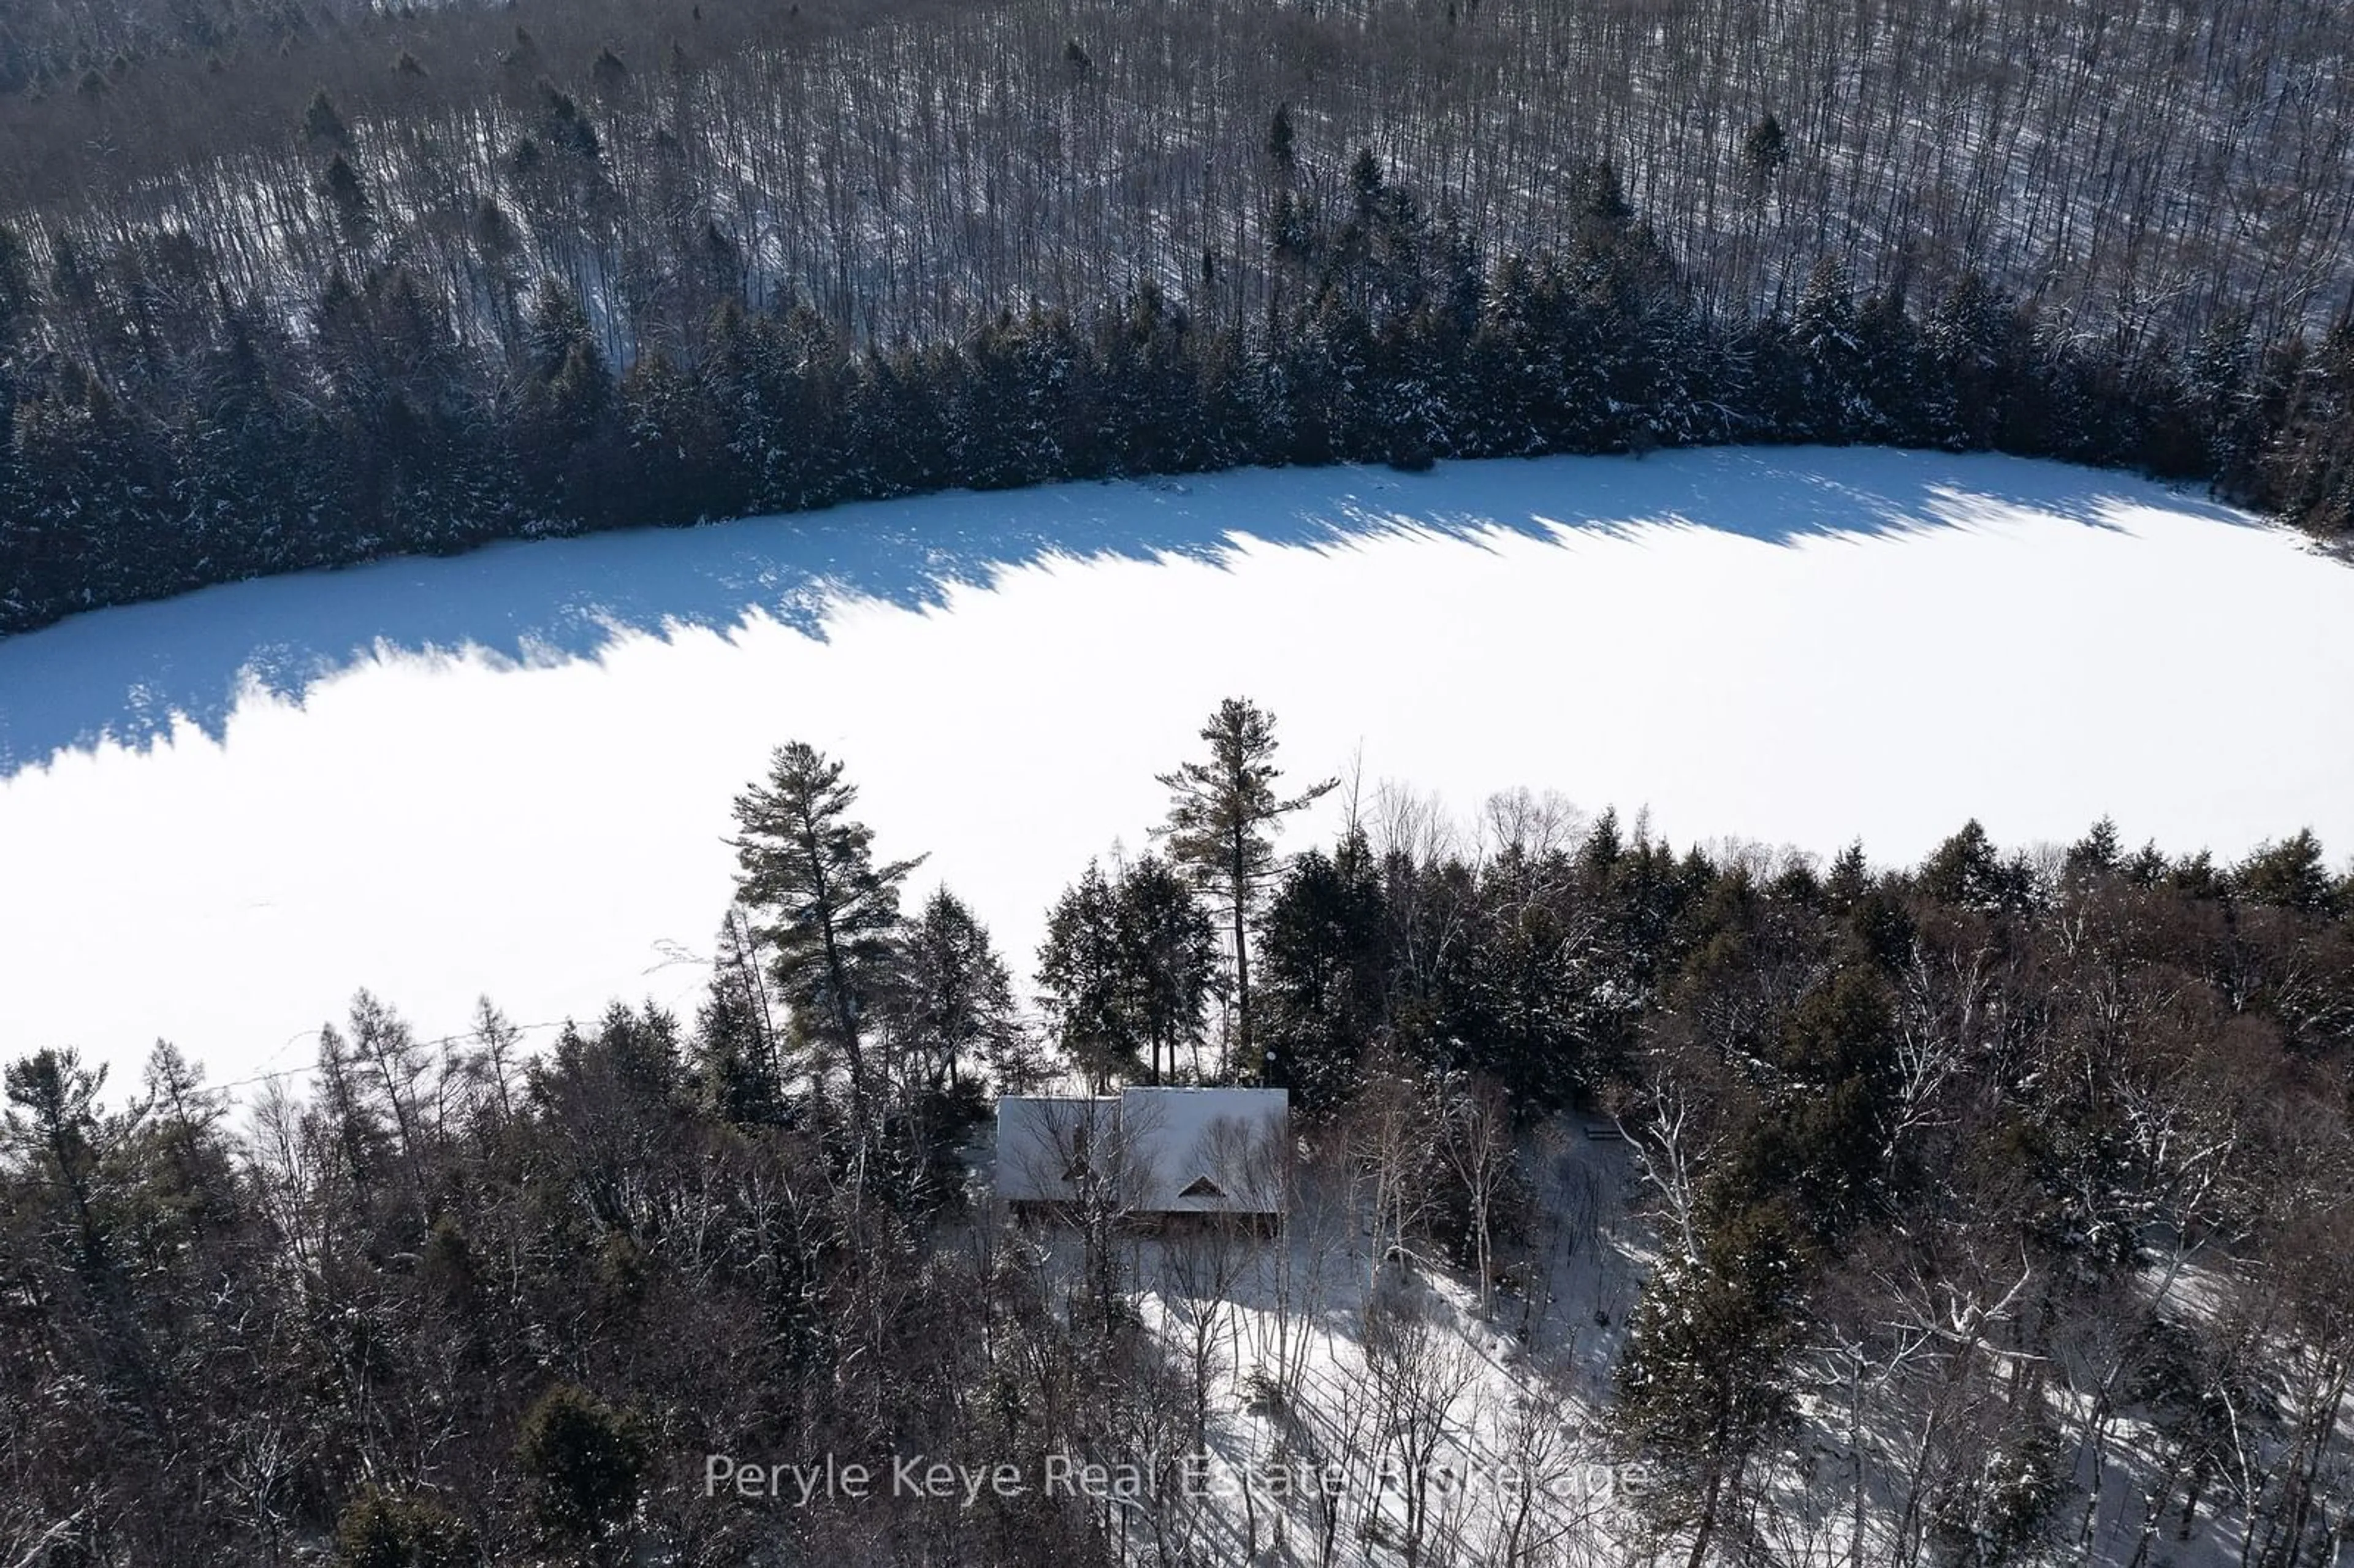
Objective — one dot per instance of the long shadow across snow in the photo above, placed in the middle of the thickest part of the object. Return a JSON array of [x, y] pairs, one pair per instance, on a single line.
[[127, 674]]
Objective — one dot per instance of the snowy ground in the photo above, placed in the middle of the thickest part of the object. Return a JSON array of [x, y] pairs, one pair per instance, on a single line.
[[1316, 1426], [510, 772], [1491, 1415]]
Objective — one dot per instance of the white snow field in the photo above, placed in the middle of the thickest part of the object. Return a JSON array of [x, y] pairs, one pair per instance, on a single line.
[[510, 772]]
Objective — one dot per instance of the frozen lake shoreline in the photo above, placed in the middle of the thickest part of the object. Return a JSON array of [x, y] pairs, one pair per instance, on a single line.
[[511, 771]]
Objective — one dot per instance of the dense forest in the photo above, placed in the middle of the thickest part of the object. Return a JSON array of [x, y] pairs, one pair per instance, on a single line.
[[287, 286], [1996, 1211]]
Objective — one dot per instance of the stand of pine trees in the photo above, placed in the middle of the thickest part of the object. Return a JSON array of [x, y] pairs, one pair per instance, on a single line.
[[188, 440]]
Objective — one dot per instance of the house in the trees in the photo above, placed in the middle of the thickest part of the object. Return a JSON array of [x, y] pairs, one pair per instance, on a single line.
[[1147, 1154]]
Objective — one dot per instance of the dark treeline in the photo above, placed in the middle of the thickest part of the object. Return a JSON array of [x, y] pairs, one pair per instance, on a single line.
[[1933, 1157], [186, 440], [399, 281]]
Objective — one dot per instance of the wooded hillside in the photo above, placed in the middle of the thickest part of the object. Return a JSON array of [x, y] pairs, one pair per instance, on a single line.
[[398, 283]]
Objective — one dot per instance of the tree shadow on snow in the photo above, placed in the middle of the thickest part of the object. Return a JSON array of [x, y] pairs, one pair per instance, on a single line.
[[127, 674]]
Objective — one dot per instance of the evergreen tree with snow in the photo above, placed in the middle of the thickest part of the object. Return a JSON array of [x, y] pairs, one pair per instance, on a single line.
[[1705, 1386], [952, 1003], [1168, 949], [1223, 815], [827, 911], [1826, 333], [1323, 947], [1083, 980]]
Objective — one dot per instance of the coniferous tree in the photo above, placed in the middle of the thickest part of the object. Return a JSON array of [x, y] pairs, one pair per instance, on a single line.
[[565, 440], [1323, 952], [1705, 1387], [2309, 471], [827, 912], [1765, 148], [197, 1189], [348, 194], [321, 123], [1166, 949], [1083, 972], [1967, 870], [1824, 330], [380, 1529], [676, 471], [1223, 815], [1282, 142], [2098, 853], [1893, 378], [2290, 874], [53, 1123], [952, 1004], [587, 1459], [1518, 998], [1972, 339]]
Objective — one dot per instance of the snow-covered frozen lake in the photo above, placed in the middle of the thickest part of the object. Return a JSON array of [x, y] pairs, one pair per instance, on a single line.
[[511, 771]]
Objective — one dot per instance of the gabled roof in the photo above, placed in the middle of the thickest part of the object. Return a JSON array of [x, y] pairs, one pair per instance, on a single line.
[[1156, 1150], [1207, 1150]]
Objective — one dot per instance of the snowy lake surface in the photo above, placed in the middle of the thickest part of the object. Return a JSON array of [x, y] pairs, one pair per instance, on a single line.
[[510, 772]]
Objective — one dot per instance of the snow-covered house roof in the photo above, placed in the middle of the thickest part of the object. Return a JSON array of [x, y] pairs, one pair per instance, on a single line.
[[1047, 1144], [1152, 1151], [1207, 1150]]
